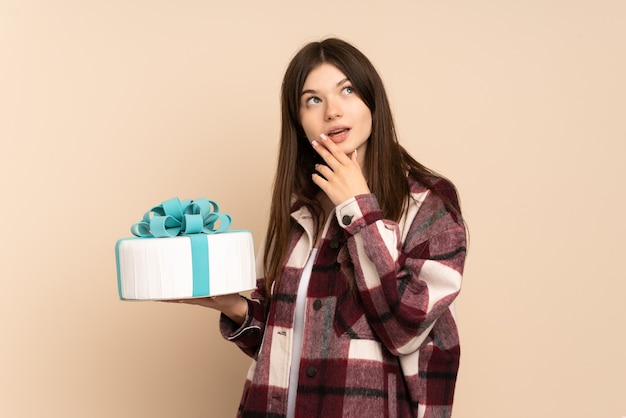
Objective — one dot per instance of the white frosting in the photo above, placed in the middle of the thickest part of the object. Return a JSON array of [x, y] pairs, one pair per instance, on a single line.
[[162, 268]]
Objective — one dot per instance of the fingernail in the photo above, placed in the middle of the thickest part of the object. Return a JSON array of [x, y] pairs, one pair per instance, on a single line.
[[323, 136], [315, 143]]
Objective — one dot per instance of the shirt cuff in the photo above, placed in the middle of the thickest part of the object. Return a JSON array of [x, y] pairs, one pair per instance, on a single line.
[[230, 330], [358, 212]]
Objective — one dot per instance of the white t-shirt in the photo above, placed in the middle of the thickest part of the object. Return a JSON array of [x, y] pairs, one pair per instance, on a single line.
[[298, 328]]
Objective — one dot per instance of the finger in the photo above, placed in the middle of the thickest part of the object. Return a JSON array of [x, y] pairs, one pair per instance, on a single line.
[[320, 181], [324, 171], [334, 149], [326, 155], [330, 152]]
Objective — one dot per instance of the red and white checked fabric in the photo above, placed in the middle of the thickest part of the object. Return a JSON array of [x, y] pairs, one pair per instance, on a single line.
[[387, 348]]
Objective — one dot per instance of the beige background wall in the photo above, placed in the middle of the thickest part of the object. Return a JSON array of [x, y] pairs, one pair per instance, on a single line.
[[110, 107]]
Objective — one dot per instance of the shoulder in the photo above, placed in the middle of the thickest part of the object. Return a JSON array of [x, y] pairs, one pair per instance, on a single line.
[[432, 182], [437, 189]]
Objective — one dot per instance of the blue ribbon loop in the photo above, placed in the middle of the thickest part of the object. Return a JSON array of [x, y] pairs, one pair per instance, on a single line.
[[174, 217]]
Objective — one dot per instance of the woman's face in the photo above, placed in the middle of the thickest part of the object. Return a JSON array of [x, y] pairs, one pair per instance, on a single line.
[[329, 105]]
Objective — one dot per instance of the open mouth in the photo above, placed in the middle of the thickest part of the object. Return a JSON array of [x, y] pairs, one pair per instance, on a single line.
[[338, 135]]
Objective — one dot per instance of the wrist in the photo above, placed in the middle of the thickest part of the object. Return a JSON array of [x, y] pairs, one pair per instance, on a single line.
[[238, 312]]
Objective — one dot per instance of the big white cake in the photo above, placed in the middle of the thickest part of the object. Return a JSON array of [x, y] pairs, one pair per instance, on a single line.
[[194, 264]]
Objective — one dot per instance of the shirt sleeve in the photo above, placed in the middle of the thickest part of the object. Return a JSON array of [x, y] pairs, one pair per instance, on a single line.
[[407, 279], [249, 335]]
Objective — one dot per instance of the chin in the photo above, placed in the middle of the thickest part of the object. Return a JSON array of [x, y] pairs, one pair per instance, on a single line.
[[347, 150]]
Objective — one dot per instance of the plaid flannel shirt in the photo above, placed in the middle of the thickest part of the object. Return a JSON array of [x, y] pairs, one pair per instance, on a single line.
[[389, 346]]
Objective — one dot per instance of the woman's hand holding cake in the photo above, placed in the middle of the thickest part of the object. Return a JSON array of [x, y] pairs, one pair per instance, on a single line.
[[233, 305]]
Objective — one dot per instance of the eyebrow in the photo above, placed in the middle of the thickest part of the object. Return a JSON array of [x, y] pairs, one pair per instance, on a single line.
[[340, 83]]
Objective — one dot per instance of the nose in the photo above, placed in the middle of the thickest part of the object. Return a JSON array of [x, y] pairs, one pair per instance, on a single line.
[[333, 110]]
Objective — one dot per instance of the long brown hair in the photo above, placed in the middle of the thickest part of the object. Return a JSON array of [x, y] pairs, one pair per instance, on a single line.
[[386, 161]]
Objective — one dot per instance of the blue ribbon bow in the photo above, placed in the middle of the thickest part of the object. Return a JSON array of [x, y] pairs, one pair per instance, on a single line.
[[174, 217]]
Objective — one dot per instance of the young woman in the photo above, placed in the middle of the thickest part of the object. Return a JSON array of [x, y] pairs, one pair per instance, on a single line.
[[363, 258]]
